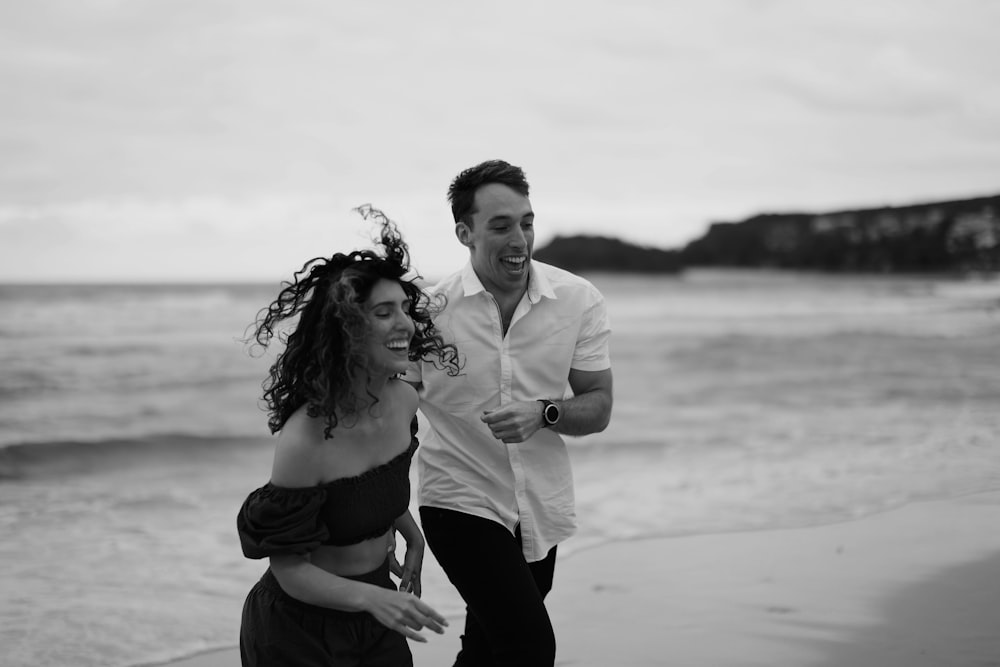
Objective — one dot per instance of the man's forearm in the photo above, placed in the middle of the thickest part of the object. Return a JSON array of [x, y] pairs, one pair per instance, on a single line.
[[584, 414]]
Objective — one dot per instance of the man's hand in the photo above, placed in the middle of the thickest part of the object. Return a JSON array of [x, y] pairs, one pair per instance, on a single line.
[[514, 422]]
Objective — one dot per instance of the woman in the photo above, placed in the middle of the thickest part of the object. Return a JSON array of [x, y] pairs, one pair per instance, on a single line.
[[339, 487]]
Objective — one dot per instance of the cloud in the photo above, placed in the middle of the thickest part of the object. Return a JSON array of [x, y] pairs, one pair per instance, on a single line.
[[216, 116]]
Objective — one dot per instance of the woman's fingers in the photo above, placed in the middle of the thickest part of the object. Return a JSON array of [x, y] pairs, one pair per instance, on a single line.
[[406, 614], [409, 581], [412, 634], [420, 616], [429, 618]]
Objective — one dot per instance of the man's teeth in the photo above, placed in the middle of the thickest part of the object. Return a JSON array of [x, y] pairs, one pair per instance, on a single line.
[[516, 261]]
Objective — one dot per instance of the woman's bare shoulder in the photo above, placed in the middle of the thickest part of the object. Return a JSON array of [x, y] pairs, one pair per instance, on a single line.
[[405, 393], [298, 451]]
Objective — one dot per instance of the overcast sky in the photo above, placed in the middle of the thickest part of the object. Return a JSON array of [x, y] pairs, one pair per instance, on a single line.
[[214, 140]]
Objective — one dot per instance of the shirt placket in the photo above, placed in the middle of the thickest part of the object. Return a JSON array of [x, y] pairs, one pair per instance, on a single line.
[[513, 450]]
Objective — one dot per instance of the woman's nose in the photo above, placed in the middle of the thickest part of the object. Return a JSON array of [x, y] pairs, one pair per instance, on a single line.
[[405, 322]]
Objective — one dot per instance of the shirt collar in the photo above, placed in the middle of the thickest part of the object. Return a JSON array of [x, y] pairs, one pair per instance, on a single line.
[[538, 283], [470, 281]]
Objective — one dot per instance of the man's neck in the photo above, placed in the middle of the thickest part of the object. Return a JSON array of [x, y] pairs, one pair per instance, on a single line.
[[506, 298], [507, 301]]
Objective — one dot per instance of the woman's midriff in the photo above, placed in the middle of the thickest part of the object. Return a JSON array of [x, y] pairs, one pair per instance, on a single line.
[[353, 559]]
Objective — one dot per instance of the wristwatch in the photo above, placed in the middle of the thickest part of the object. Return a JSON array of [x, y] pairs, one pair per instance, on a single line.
[[550, 412]]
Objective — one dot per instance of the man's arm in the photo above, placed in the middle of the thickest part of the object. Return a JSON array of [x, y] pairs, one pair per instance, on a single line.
[[588, 411]]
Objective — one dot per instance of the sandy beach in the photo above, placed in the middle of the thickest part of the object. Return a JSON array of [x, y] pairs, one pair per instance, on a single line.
[[913, 587]]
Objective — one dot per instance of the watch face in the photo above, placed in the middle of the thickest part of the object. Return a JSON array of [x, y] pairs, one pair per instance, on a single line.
[[551, 413]]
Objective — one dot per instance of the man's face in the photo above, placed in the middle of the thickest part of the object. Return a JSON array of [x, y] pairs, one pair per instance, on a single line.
[[500, 238]]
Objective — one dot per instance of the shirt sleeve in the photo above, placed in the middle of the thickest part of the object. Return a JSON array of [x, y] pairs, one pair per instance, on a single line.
[[592, 350], [275, 521]]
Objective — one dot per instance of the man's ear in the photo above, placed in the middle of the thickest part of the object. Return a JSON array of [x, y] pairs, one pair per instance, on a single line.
[[463, 233]]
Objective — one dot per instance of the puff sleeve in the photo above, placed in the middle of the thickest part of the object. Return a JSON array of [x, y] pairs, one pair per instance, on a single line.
[[275, 521]]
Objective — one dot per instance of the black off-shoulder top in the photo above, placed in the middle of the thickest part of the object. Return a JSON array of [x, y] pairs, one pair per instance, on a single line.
[[277, 520]]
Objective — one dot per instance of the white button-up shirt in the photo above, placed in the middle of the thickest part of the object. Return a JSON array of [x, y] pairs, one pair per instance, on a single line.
[[559, 324]]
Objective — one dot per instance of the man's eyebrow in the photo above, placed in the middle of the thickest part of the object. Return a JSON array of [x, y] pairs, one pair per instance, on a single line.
[[510, 218]]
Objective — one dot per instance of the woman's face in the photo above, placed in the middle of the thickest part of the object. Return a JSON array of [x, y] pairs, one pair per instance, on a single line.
[[390, 328]]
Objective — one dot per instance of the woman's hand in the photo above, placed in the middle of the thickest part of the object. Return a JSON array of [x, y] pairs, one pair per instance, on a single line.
[[409, 578], [409, 571], [403, 612]]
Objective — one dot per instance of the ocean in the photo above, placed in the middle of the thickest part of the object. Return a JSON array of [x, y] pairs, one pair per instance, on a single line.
[[131, 430]]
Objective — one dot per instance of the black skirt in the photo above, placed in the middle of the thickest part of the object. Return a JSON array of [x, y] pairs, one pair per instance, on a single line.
[[279, 631]]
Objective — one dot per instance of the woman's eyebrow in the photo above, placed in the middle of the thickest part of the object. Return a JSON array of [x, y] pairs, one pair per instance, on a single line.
[[390, 302]]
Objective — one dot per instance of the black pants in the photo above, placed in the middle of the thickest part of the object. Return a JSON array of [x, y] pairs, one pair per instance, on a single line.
[[278, 630], [506, 622]]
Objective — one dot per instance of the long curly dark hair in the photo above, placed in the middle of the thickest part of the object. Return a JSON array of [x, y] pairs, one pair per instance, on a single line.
[[325, 354]]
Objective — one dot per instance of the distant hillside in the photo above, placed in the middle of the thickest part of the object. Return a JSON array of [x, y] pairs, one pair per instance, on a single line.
[[601, 253], [962, 235]]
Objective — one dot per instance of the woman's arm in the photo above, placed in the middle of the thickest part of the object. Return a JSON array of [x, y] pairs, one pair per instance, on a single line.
[[399, 611], [409, 576]]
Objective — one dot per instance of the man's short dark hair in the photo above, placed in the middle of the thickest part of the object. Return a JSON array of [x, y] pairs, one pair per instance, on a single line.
[[462, 191]]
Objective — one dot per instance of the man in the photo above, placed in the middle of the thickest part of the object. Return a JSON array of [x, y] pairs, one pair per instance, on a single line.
[[496, 490]]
